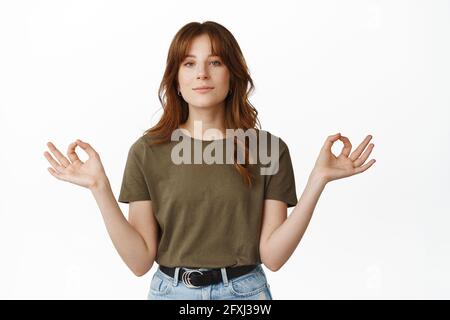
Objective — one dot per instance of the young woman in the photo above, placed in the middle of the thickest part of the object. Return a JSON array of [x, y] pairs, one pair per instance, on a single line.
[[210, 225]]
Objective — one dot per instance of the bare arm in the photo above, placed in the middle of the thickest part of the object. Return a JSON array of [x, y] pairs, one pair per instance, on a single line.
[[134, 240], [280, 236]]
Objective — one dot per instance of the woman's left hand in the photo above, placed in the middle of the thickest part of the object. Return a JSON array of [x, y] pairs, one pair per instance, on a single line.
[[329, 167]]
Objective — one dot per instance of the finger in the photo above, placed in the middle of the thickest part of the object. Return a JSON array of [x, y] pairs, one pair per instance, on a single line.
[[365, 167], [364, 157], [63, 160], [57, 175], [71, 152], [355, 155], [53, 162], [87, 148], [54, 173], [329, 142], [347, 146]]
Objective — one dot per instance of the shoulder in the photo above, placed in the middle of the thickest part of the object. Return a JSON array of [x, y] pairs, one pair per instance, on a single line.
[[270, 139], [147, 145], [145, 141], [140, 146]]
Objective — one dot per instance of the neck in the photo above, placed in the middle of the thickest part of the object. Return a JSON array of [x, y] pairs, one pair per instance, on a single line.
[[202, 119]]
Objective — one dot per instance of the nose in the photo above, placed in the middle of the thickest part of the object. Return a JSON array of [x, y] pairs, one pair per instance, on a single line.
[[202, 72], [202, 76]]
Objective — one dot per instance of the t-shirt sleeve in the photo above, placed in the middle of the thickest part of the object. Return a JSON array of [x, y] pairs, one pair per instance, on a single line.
[[281, 185], [134, 182]]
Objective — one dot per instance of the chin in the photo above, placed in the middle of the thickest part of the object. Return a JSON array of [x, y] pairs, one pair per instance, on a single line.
[[204, 104]]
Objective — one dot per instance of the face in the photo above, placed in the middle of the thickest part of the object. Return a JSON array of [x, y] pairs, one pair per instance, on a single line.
[[202, 69]]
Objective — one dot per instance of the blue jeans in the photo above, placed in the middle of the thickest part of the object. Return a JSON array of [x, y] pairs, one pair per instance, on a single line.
[[250, 286]]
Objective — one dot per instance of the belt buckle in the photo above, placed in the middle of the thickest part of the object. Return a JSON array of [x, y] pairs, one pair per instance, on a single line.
[[187, 280]]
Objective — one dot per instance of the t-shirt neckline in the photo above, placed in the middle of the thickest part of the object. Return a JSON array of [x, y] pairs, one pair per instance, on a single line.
[[200, 140]]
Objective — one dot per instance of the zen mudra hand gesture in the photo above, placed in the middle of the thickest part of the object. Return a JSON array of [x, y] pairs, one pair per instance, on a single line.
[[86, 174], [328, 167]]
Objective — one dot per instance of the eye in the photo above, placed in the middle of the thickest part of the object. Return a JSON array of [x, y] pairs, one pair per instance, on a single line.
[[218, 63]]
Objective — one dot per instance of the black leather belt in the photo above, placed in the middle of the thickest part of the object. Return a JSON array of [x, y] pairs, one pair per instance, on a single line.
[[195, 278]]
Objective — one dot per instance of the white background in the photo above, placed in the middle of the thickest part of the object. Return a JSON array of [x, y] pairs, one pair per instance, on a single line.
[[91, 70]]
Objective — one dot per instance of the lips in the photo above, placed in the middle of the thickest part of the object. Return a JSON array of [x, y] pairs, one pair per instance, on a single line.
[[203, 87]]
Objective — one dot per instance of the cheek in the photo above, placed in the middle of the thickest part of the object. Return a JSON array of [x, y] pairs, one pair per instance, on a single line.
[[184, 77], [223, 77], [226, 77], [225, 74]]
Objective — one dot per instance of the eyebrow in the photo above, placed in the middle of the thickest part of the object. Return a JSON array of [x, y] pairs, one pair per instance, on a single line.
[[194, 56]]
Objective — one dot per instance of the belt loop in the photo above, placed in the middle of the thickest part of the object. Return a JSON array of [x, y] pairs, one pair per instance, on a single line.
[[175, 277], [224, 276]]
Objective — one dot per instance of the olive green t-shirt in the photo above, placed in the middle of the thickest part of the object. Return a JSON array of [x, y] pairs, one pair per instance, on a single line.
[[207, 216]]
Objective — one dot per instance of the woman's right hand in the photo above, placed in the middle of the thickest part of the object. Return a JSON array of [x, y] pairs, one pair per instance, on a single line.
[[86, 174]]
